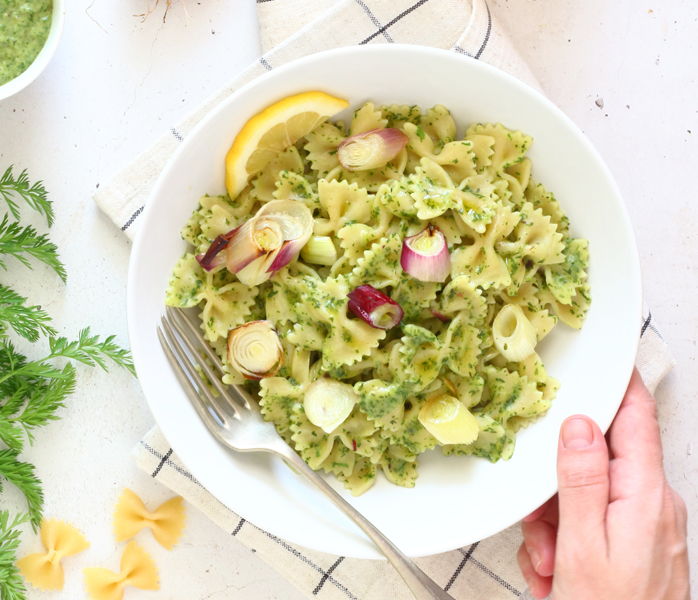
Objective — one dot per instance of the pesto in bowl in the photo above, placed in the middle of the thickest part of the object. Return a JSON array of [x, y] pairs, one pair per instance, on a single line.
[[24, 29]]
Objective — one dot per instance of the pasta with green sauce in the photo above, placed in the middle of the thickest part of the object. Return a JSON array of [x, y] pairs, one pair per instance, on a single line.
[[509, 245]]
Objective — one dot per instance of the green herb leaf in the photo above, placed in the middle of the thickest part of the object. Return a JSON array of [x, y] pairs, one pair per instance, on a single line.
[[27, 321], [17, 241], [89, 350], [18, 373], [10, 361], [21, 475], [35, 195], [11, 584], [44, 400], [11, 435]]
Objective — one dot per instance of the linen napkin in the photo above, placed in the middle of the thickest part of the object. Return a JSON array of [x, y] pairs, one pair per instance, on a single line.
[[290, 29]]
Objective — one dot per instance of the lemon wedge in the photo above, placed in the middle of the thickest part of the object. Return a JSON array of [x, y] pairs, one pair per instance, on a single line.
[[273, 130]]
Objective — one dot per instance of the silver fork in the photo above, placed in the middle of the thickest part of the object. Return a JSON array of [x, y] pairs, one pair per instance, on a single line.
[[235, 420]]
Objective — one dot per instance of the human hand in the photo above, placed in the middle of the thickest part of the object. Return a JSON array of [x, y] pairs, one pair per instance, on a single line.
[[616, 530]]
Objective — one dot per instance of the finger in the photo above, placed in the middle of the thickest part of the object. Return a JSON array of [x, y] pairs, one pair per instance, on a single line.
[[634, 434], [681, 512], [582, 471], [539, 586], [539, 539], [635, 444]]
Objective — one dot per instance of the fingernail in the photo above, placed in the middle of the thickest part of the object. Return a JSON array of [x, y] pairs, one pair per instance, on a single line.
[[535, 559], [577, 434]]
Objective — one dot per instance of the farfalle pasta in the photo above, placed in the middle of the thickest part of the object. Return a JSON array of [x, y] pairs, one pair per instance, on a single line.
[[44, 569], [166, 522], [506, 242], [137, 570]]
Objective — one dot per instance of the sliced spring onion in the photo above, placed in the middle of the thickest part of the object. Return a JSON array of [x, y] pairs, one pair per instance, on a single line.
[[371, 150], [425, 256], [268, 241], [514, 336], [319, 251], [447, 419], [328, 403], [374, 307], [254, 350]]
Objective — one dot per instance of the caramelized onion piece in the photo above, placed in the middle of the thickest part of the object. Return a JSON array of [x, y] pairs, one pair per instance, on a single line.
[[328, 403], [268, 241], [447, 419], [374, 307], [371, 150], [514, 336], [254, 350], [320, 250], [425, 256]]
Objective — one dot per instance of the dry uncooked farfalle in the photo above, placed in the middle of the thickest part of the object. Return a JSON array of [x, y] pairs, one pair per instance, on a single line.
[[137, 570], [44, 570], [166, 522]]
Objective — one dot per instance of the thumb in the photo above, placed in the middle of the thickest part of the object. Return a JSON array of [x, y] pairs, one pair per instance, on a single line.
[[582, 473]]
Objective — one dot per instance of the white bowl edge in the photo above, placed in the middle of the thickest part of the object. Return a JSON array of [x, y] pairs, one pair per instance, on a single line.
[[365, 550]]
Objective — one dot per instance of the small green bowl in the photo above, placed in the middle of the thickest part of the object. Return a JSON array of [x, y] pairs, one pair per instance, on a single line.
[[43, 58]]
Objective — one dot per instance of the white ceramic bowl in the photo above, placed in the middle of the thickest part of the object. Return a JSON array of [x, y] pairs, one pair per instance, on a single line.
[[43, 58], [457, 500]]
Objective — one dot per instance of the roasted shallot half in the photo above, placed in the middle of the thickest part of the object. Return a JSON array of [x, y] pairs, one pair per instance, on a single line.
[[447, 419], [514, 336], [327, 403], [264, 243], [371, 150], [374, 307], [425, 256], [254, 350]]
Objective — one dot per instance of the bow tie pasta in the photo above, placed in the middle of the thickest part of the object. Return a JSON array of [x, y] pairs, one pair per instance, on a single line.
[[360, 302]]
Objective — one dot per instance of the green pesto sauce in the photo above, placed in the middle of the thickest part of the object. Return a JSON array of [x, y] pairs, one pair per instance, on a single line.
[[24, 29]]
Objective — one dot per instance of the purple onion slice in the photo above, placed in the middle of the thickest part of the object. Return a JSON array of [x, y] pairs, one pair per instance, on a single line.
[[374, 307], [371, 150], [425, 256], [268, 241]]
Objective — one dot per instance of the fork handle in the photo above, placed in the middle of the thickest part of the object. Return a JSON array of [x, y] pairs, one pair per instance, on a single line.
[[422, 586]]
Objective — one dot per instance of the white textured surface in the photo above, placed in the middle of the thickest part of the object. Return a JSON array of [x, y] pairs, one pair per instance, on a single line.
[[107, 96]]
